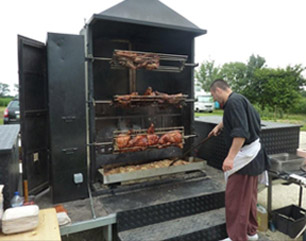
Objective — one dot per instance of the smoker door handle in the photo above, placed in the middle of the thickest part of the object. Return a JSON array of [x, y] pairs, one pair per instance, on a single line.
[[69, 151], [68, 118]]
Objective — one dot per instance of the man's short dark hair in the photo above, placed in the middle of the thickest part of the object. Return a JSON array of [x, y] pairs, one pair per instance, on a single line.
[[220, 83]]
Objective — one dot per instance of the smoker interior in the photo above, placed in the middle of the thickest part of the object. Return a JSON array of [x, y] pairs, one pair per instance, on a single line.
[[105, 82]]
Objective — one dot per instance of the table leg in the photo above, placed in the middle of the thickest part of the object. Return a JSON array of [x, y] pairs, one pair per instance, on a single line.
[[301, 195]]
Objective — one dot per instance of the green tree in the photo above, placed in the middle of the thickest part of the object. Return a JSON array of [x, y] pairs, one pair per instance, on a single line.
[[254, 63], [4, 89], [235, 74], [278, 89], [251, 86], [16, 89], [207, 73]]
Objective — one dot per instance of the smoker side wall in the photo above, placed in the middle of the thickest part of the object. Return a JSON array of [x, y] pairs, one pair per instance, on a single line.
[[66, 74]]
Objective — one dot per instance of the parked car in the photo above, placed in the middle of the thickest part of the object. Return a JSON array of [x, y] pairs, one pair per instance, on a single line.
[[204, 103], [12, 113]]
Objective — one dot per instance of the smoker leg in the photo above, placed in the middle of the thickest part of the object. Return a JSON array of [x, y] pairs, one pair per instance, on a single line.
[[269, 200], [107, 233], [301, 195]]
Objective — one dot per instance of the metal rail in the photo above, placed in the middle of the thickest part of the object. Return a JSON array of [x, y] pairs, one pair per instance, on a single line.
[[106, 221], [109, 102], [134, 116]]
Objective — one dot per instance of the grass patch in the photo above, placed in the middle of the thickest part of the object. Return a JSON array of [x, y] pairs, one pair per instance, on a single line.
[[5, 100], [297, 119], [215, 112], [1, 114]]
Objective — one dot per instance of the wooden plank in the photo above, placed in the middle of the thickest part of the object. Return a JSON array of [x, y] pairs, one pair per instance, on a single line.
[[47, 229], [139, 174]]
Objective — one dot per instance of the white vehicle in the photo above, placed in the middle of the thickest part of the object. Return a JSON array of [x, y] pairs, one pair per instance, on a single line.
[[204, 103]]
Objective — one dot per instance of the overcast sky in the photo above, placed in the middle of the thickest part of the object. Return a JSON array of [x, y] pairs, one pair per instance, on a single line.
[[273, 29]]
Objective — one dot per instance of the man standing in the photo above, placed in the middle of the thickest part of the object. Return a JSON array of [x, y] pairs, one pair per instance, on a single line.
[[244, 162]]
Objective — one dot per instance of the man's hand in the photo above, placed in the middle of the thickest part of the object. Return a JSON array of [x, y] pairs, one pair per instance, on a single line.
[[228, 164], [217, 130]]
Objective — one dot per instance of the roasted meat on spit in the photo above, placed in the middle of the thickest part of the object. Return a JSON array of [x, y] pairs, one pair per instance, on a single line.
[[139, 141], [150, 95], [127, 143], [171, 138], [135, 60], [123, 140], [152, 138], [125, 100]]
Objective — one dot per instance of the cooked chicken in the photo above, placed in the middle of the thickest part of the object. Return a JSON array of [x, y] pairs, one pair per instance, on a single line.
[[149, 92], [171, 138], [151, 129], [127, 143], [122, 140], [139, 141], [152, 139]]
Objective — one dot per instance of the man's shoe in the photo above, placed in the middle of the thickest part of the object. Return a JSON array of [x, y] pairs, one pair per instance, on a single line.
[[253, 237]]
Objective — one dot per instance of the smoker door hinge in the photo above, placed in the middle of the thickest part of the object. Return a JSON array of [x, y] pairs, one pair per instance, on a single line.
[[69, 118], [89, 57], [69, 151]]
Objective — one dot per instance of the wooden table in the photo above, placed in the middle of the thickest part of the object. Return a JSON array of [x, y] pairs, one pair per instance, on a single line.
[[47, 229]]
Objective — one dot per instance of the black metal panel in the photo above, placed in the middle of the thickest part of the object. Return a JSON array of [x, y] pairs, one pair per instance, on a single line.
[[113, 81], [136, 157], [33, 98], [9, 161], [281, 140], [64, 189], [276, 139], [168, 211], [210, 234], [66, 74]]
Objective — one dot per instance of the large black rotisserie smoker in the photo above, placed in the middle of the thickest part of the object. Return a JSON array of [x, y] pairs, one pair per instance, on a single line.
[[120, 93]]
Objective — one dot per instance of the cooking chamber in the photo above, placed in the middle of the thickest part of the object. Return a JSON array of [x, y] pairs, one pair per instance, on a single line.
[[107, 81]]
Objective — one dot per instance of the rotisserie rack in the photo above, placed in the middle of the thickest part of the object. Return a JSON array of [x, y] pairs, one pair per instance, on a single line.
[[142, 139], [146, 60], [150, 97]]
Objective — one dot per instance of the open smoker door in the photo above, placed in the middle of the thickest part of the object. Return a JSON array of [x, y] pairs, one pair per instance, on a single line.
[[33, 96]]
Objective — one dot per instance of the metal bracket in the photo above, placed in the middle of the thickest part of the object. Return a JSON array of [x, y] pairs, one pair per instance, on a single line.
[[69, 118], [69, 151]]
